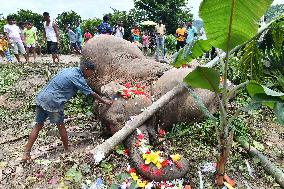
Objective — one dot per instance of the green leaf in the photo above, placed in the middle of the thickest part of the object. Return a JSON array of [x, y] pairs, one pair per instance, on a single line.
[[267, 97], [191, 51], [204, 78], [254, 88], [73, 174], [235, 20], [279, 112]]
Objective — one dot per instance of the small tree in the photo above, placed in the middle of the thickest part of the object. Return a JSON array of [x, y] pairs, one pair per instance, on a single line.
[[228, 25], [69, 18]]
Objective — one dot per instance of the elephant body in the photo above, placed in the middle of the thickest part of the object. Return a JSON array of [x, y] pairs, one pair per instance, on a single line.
[[119, 62]]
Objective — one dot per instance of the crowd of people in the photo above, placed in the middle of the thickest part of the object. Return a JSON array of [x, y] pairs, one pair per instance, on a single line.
[[23, 39]]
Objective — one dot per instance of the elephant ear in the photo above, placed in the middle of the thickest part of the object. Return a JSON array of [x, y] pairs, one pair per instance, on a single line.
[[229, 23]]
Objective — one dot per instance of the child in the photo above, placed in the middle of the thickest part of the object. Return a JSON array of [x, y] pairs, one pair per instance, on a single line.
[[30, 39], [50, 100], [145, 42], [4, 50], [87, 36]]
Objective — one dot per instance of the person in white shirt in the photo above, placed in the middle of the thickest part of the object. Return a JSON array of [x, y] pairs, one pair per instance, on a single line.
[[51, 35], [118, 30], [13, 34]]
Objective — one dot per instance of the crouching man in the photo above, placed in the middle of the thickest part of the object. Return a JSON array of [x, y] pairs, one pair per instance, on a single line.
[[50, 100]]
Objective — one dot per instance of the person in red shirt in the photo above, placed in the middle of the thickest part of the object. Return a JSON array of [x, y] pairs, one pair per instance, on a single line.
[[87, 36]]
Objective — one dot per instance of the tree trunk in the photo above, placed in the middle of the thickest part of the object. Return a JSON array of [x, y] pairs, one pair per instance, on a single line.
[[274, 171], [106, 147]]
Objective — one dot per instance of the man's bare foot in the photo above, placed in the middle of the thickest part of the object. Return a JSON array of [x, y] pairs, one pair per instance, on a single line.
[[26, 157]]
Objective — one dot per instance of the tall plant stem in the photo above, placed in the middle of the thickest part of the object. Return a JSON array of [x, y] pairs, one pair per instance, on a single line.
[[224, 135]]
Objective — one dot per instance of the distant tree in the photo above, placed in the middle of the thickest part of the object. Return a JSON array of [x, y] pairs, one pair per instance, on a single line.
[[90, 24], [274, 11], [171, 12], [2, 23], [27, 15], [69, 18]]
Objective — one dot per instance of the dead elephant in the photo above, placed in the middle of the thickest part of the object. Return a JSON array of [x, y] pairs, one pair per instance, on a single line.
[[119, 62]]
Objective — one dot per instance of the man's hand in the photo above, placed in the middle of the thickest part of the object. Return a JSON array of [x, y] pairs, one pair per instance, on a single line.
[[108, 102]]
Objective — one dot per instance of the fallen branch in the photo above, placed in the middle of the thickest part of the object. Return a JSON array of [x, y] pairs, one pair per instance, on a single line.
[[102, 150], [274, 171]]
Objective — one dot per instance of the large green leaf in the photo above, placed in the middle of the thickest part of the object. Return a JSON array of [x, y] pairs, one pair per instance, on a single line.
[[279, 112], [203, 77], [233, 20], [255, 88], [190, 52], [265, 96]]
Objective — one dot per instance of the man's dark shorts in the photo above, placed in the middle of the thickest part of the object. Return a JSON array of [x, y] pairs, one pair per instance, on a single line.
[[74, 45], [54, 117], [52, 47]]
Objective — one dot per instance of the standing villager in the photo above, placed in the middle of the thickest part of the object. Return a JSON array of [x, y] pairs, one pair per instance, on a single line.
[[51, 36], [79, 37], [118, 30], [104, 27], [87, 36], [191, 33], [160, 31], [180, 36], [14, 37], [4, 49], [30, 38], [72, 40]]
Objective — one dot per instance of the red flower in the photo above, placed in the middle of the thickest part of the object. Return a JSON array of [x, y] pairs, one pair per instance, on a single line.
[[144, 168], [178, 165], [140, 136], [184, 66], [161, 132], [126, 152], [165, 163], [143, 87], [137, 86], [127, 85], [158, 172], [131, 170], [148, 152]]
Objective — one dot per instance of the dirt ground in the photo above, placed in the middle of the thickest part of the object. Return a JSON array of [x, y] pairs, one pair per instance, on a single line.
[[51, 168]]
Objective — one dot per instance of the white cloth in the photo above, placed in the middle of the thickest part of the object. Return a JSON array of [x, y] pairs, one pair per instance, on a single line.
[[14, 32], [50, 32], [119, 31]]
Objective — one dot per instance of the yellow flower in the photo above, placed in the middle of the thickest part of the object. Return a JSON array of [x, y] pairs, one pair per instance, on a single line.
[[158, 165], [144, 156], [153, 157], [134, 176], [175, 157], [141, 184]]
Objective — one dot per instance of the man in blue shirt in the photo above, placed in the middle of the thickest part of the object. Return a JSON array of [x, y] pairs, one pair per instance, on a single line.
[[104, 27], [50, 100]]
